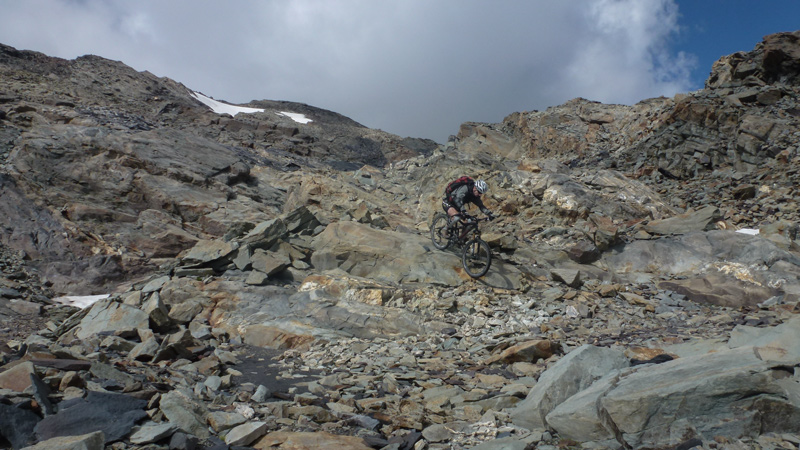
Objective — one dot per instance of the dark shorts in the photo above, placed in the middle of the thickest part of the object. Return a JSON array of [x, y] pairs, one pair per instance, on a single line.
[[447, 205]]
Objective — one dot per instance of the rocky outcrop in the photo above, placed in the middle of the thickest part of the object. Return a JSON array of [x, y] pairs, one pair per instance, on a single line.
[[733, 393], [746, 115]]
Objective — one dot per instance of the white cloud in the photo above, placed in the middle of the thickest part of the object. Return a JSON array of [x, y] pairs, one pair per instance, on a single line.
[[625, 56], [411, 67]]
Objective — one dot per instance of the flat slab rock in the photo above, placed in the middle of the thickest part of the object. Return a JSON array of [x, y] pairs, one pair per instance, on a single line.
[[113, 414]]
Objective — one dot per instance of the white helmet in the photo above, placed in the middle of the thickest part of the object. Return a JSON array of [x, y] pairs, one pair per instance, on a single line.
[[482, 186]]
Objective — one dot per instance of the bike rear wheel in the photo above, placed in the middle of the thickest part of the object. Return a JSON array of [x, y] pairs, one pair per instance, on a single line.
[[477, 258], [439, 231]]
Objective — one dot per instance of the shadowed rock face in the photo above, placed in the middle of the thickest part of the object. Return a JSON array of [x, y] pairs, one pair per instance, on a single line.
[[131, 165], [617, 227]]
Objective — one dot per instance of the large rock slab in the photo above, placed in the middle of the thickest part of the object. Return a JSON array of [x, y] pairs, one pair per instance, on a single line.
[[111, 316], [721, 290], [328, 306], [775, 344], [186, 412], [702, 220], [89, 441], [751, 267], [17, 377], [732, 394], [113, 414], [395, 257], [579, 417], [17, 425], [317, 440], [573, 373]]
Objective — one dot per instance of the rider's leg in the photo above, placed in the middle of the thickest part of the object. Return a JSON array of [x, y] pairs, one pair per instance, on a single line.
[[454, 217]]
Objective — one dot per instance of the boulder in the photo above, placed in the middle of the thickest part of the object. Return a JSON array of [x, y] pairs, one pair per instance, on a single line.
[[733, 264], [113, 414], [702, 220], [17, 377], [732, 393], [89, 441], [246, 433], [186, 412], [573, 373], [152, 432], [393, 257], [317, 440], [110, 316], [17, 425]]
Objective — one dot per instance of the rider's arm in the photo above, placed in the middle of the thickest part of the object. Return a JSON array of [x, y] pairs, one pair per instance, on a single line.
[[479, 203]]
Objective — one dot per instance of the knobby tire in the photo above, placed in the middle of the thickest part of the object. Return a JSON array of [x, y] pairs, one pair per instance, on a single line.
[[438, 228], [477, 258]]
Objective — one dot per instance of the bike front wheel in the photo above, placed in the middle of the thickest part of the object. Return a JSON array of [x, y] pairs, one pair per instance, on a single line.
[[477, 258], [439, 235]]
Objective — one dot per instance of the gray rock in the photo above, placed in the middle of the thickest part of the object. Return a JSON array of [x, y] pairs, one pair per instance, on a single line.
[[186, 412], [731, 393], [113, 414], [41, 392], [509, 443], [17, 425], [157, 311], [186, 311], [269, 263], [261, 394], [242, 258], [246, 433], [396, 258], [213, 382], [580, 417], [702, 220], [89, 441], [18, 377], [570, 277], [774, 344], [221, 420], [208, 251], [145, 351], [108, 316], [152, 432], [256, 278], [300, 220], [443, 432], [571, 374], [154, 285], [108, 372], [265, 234]]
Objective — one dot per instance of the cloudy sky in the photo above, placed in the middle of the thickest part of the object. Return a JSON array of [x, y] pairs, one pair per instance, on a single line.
[[411, 67]]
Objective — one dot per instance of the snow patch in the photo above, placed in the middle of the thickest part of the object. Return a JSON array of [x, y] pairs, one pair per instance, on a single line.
[[749, 231], [80, 301], [299, 118], [224, 108]]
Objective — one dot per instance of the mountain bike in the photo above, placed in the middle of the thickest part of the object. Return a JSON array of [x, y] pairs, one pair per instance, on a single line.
[[476, 256]]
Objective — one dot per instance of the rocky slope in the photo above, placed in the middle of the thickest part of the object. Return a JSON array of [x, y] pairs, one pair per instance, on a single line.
[[272, 283]]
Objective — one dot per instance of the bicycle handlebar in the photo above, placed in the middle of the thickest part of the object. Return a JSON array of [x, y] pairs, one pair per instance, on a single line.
[[469, 218]]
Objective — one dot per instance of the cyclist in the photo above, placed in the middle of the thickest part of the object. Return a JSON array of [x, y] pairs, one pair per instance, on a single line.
[[455, 202]]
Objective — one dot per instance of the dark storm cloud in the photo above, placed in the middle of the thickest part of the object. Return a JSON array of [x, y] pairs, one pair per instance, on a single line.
[[410, 67]]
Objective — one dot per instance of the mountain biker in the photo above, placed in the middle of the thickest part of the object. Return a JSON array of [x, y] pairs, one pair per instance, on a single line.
[[455, 204]]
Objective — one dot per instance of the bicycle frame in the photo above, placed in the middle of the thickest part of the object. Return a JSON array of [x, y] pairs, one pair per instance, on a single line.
[[467, 230]]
